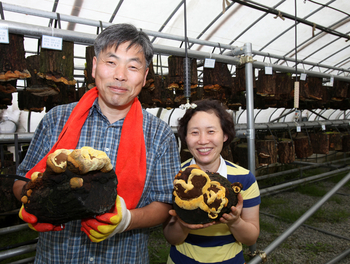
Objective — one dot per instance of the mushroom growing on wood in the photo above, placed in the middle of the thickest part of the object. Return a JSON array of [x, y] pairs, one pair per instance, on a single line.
[[202, 197], [76, 184]]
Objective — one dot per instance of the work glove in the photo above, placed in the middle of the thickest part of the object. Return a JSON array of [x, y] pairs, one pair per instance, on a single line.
[[32, 221], [107, 225]]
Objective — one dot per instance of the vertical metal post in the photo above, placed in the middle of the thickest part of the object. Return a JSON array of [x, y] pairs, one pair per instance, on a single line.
[[250, 108], [250, 114]]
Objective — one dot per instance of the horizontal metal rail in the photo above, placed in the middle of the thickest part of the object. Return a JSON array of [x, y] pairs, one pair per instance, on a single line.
[[166, 50]]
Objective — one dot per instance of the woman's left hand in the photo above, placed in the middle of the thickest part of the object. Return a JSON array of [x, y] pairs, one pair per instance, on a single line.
[[235, 216]]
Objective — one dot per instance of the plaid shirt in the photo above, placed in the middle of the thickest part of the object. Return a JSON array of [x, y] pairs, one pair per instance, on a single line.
[[72, 245]]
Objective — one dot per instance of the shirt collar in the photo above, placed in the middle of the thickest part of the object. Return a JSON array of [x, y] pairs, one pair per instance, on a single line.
[[222, 168]]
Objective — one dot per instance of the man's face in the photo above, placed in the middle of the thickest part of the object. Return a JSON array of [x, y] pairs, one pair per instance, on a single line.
[[119, 76]]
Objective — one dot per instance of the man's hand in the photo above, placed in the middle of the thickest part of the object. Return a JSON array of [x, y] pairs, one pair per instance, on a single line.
[[33, 222], [107, 225]]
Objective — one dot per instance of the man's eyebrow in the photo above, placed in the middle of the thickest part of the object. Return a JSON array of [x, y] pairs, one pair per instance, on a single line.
[[112, 55]]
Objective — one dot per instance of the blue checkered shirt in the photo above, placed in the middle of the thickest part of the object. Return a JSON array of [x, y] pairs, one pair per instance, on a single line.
[[72, 245]]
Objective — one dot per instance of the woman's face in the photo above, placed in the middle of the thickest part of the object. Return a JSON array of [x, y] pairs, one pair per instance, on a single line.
[[205, 139]]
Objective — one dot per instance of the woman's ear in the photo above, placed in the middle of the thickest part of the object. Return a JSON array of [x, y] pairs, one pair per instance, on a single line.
[[225, 137]]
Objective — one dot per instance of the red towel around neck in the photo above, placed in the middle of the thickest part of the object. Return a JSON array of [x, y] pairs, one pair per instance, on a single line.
[[131, 157]]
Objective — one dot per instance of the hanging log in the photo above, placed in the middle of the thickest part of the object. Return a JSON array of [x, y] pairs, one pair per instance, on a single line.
[[278, 86], [346, 143], [176, 74], [303, 147], [267, 152], [286, 151], [58, 65], [320, 143], [36, 85], [340, 90], [217, 82], [8, 87], [311, 88], [30, 102], [335, 141], [5, 100], [89, 56], [12, 59], [68, 94]]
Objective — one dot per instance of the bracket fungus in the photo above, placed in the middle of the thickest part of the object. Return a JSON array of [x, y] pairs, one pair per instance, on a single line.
[[76, 184], [201, 197]]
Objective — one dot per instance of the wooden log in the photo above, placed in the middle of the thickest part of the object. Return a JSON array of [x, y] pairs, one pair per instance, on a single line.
[[278, 86], [12, 59], [217, 82], [310, 89], [89, 56], [8, 86], [68, 94], [5, 100], [36, 85], [58, 65], [320, 143], [303, 147], [286, 151], [346, 143], [30, 102], [335, 141], [267, 152], [340, 90], [176, 74]]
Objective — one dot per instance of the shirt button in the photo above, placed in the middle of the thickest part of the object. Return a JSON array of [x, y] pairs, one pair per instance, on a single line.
[[91, 259], [106, 149]]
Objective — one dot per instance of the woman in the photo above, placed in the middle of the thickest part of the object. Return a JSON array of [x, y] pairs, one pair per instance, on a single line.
[[206, 129]]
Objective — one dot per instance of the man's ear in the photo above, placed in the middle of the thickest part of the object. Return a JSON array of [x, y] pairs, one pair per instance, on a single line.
[[94, 61], [145, 77]]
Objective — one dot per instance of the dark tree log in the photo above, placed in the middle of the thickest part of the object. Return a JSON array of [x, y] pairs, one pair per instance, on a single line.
[[286, 151], [278, 85], [68, 94], [5, 100], [311, 89], [320, 143], [8, 87], [340, 90], [89, 55], [30, 102], [217, 82], [267, 152], [12, 59], [303, 147], [176, 75], [346, 143], [36, 85], [335, 141], [58, 65]]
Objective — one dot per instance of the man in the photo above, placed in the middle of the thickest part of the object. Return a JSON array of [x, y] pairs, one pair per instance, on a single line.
[[141, 147]]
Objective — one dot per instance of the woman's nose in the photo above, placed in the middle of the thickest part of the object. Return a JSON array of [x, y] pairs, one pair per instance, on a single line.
[[202, 138]]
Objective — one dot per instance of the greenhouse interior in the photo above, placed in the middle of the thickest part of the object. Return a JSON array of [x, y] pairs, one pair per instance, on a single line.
[[280, 68]]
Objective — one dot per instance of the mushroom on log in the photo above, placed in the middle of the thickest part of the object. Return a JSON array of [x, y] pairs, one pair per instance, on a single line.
[[202, 197], [75, 185]]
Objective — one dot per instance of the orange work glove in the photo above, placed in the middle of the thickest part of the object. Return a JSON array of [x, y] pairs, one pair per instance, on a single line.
[[32, 221], [107, 225]]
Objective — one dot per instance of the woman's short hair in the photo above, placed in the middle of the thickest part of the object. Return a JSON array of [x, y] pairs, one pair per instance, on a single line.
[[208, 106], [117, 34]]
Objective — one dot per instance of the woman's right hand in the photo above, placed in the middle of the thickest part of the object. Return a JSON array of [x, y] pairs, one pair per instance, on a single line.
[[189, 226]]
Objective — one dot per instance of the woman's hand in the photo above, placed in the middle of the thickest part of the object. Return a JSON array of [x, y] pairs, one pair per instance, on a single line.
[[189, 226], [234, 217]]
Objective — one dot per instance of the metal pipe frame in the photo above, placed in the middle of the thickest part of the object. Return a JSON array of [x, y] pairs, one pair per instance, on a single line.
[[17, 251], [84, 38], [257, 259]]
